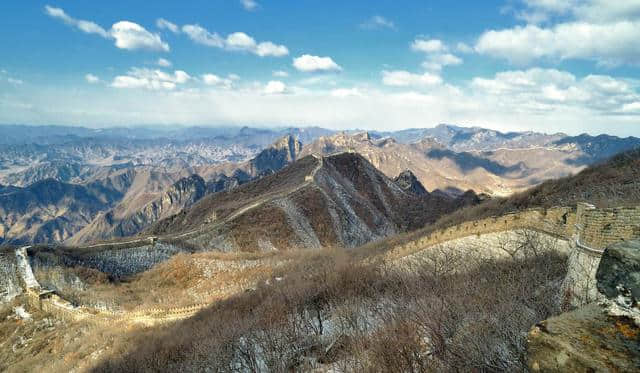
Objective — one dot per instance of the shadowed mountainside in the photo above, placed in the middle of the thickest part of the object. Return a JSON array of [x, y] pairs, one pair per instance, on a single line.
[[340, 200]]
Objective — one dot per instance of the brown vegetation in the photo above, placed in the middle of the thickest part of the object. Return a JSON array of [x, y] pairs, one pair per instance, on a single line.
[[328, 310]]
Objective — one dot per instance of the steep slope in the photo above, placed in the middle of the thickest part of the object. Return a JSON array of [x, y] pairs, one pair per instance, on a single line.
[[49, 210], [340, 200], [184, 193], [409, 183], [612, 183], [437, 167], [139, 210]]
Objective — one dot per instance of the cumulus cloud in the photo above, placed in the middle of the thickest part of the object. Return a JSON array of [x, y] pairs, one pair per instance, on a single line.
[[401, 78], [533, 99], [202, 36], [127, 35], [275, 87], [280, 74], [90, 78], [608, 44], [436, 52], [237, 41], [428, 45], [162, 23], [150, 79], [546, 90], [215, 80], [309, 63], [377, 22], [249, 5], [599, 30]]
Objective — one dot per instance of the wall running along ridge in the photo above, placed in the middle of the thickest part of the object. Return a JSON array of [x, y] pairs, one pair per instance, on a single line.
[[588, 230]]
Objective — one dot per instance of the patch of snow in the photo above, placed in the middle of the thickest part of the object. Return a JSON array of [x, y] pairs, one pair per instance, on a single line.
[[22, 313]]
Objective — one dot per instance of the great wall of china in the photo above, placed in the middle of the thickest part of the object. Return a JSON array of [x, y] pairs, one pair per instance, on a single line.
[[587, 229]]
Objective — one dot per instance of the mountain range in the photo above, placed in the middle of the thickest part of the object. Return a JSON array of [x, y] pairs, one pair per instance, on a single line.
[[117, 182]]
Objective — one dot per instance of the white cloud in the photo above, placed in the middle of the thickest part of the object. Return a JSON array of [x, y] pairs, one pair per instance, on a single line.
[[549, 90], [428, 45], [163, 62], [596, 11], [84, 26], [268, 48], [280, 74], [249, 5], [202, 36], [237, 41], [538, 100], [90, 78], [215, 80], [309, 63], [406, 79], [608, 44], [127, 35], [603, 31], [437, 61], [436, 52], [377, 22], [150, 79], [275, 87], [233, 77], [162, 23], [240, 41]]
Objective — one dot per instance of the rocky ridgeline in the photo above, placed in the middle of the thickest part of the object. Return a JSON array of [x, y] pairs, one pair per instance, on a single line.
[[598, 337]]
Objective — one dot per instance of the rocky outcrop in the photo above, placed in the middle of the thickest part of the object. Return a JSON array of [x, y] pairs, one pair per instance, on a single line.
[[10, 284], [340, 200], [409, 183], [599, 337], [275, 157], [184, 193]]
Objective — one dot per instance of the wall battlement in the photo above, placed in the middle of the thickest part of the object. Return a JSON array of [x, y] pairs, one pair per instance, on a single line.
[[592, 228], [588, 229]]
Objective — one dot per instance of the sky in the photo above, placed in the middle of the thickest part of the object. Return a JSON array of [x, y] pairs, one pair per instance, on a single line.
[[568, 66]]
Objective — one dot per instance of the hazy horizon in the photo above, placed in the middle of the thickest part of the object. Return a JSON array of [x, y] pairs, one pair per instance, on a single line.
[[508, 65]]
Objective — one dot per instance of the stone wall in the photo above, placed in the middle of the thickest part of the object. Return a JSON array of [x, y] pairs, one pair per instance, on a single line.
[[556, 221], [599, 228]]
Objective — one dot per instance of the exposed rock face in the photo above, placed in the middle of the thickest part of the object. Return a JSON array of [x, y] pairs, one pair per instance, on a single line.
[[274, 158], [10, 285], [599, 337], [340, 200], [619, 272], [116, 262], [184, 193], [409, 183]]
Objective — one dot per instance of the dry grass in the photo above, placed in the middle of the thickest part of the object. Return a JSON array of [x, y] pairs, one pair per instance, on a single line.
[[333, 311]]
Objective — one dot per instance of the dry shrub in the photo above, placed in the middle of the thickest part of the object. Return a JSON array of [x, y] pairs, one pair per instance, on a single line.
[[329, 310]]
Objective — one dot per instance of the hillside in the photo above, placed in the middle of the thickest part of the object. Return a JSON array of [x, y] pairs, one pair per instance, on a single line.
[[612, 183], [340, 200]]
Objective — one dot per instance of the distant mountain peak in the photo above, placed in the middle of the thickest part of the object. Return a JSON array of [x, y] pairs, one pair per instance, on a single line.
[[409, 183]]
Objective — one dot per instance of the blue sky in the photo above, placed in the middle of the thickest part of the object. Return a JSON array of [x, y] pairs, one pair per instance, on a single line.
[[544, 65]]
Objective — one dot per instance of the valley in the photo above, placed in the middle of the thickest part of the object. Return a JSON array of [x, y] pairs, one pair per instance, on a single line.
[[300, 247]]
